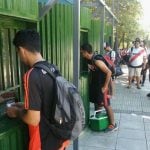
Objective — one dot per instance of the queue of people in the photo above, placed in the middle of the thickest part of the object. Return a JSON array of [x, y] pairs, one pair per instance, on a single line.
[[138, 61], [40, 91]]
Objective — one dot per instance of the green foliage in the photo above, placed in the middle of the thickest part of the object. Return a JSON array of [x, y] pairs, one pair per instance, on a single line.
[[128, 13]]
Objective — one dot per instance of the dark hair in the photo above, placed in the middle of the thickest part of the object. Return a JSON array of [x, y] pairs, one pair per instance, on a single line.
[[107, 44], [87, 48], [28, 39], [137, 40]]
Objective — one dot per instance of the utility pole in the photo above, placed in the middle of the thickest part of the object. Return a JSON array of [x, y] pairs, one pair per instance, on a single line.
[[76, 51], [102, 30]]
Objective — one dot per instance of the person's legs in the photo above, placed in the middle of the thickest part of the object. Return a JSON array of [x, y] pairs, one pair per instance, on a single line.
[[110, 114], [130, 76], [112, 125], [104, 101], [138, 73], [144, 77], [138, 82]]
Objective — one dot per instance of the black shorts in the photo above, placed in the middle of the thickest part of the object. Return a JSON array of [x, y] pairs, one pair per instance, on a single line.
[[104, 99], [98, 97]]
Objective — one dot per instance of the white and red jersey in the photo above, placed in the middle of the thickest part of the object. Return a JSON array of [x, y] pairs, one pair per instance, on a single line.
[[139, 59]]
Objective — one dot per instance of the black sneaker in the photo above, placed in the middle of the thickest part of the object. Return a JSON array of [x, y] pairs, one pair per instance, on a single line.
[[138, 87], [111, 128], [129, 86], [148, 95]]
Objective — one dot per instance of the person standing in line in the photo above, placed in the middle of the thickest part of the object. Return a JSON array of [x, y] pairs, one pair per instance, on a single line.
[[111, 53], [148, 67], [144, 70], [136, 62], [99, 84], [39, 89], [115, 57]]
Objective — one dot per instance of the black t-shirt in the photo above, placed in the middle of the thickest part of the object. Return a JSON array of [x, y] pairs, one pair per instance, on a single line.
[[40, 96], [97, 80]]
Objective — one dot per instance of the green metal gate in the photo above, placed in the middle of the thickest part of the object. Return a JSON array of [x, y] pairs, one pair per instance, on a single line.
[[13, 133], [10, 76], [56, 30]]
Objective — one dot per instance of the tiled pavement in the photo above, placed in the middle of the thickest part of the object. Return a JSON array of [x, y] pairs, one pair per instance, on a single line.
[[132, 114]]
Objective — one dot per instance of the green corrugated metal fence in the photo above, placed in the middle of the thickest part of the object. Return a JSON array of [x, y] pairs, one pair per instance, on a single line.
[[11, 132], [27, 9], [10, 76], [56, 30], [85, 18], [13, 135], [94, 34], [109, 33], [84, 90]]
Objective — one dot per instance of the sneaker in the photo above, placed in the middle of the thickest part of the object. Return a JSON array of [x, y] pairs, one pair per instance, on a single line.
[[132, 80], [138, 87], [129, 86], [148, 95], [111, 128]]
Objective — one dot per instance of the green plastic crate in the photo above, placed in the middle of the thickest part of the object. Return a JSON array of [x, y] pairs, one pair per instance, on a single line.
[[99, 121]]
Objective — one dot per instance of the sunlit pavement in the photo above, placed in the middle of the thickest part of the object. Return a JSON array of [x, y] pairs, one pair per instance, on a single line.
[[132, 114]]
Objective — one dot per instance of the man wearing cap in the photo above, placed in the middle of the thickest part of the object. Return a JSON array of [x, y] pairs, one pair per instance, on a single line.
[[136, 62]]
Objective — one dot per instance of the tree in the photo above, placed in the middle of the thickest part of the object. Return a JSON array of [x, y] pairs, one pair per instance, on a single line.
[[128, 13]]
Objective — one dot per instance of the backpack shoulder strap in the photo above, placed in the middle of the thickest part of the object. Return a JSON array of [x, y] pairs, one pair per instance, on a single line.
[[47, 69], [97, 57], [110, 54]]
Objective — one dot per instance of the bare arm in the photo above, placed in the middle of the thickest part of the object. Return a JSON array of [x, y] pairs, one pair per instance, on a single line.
[[101, 65], [31, 117], [144, 62]]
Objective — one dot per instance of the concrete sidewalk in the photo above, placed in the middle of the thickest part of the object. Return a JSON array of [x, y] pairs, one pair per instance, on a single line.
[[132, 114]]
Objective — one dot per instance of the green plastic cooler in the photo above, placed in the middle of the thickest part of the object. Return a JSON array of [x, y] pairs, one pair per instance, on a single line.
[[99, 120]]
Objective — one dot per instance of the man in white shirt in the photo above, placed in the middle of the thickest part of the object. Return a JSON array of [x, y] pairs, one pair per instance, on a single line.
[[136, 62]]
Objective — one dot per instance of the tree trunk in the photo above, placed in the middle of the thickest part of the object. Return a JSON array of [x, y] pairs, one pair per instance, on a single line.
[[123, 39], [128, 45]]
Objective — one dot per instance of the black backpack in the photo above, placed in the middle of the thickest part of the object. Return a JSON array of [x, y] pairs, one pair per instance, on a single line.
[[117, 58], [69, 115], [106, 59], [126, 57]]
